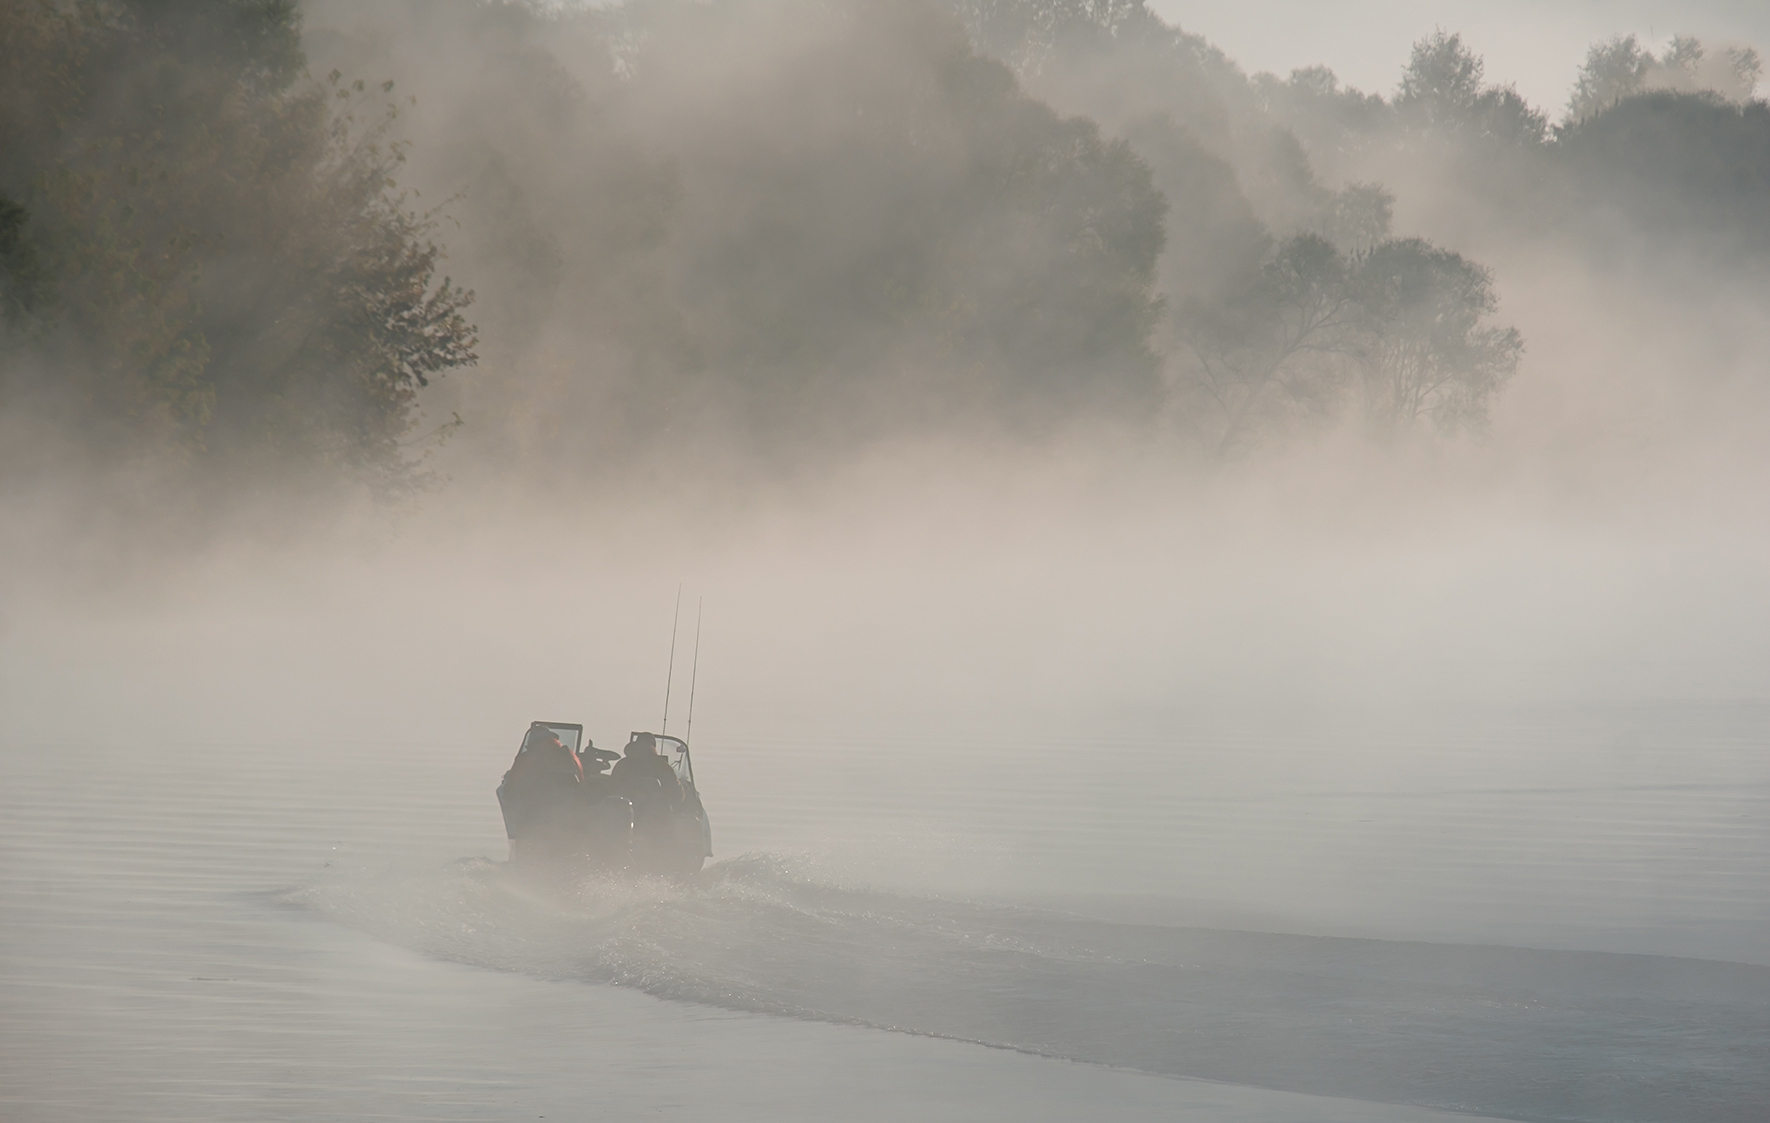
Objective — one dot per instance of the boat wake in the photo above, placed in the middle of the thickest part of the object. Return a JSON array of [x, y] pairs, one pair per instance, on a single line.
[[1528, 1034]]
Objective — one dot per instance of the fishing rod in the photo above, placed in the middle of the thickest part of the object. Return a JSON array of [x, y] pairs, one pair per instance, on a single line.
[[675, 618], [694, 673]]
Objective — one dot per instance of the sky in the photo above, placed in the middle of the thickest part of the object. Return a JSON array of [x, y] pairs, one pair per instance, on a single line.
[[1537, 44]]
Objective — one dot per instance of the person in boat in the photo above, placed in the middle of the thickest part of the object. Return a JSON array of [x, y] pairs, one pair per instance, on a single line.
[[544, 786], [545, 761], [645, 777]]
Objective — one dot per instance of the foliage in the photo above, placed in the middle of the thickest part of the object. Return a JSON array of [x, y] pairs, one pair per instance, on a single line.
[[796, 221], [224, 265], [1230, 176], [1621, 68], [1336, 122], [22, 282], [1613, 70], [1031, 34], [1690, 171], [915, 207], [1275, 346], [1430, 355], [1358, 216], [1214, 238], [1291, 298], [786, 225], [1402, 324], [1441, 93]]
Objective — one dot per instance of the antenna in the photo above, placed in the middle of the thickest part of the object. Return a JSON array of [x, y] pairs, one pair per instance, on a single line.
[[674, 618], [695, 673]]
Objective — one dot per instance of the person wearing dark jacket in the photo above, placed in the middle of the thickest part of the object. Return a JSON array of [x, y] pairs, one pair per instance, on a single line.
[[544, 789], [544, 759], [645, 777], [650, 783]]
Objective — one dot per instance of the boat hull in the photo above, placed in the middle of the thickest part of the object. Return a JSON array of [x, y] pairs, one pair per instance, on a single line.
[[609, 832]]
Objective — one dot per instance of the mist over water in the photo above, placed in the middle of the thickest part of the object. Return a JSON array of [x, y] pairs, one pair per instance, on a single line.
[[990, 783], [1373, 770]]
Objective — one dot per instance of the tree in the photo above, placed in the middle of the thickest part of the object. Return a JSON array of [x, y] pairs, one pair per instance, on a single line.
[[1441, 92], [22, 282], [1442, 82], [1336, 123], [225, 267], [1028, 33], [1214, 241], [1613, 70], [1358, 216], [1691, 172], [1403, 322], [1428, 354], [1279, 345], [1621, 68], [885, 208], [333, 320], [1688, 66]]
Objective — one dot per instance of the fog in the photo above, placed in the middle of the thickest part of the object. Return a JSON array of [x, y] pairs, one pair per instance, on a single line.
[[1080, 673]]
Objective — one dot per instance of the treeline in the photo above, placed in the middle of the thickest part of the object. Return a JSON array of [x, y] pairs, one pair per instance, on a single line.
[[780, 229], [1661, 164], [1652, 157]]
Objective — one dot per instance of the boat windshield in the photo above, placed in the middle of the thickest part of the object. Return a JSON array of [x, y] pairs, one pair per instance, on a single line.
[[676, 752], [572, 736]]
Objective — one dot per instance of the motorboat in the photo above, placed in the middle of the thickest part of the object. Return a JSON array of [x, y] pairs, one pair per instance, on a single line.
[[563, 805]]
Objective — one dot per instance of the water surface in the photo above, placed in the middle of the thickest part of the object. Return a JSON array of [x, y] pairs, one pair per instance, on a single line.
[[1315, 903]]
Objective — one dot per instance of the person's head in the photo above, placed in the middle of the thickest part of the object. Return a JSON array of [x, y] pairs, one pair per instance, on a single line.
[[540, 737], [642, 744]]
